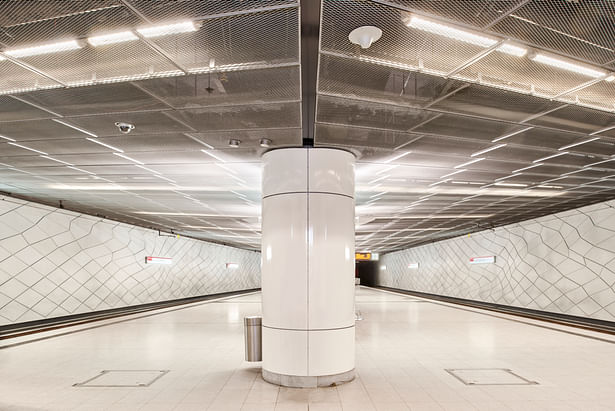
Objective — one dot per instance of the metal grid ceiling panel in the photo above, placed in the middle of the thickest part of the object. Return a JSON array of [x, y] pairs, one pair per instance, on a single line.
[[584, 29], [161, 11], [401, 44], [14, 79], [265, 37]]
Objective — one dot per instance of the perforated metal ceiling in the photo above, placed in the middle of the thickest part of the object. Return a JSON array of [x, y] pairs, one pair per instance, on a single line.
[[451, 137]]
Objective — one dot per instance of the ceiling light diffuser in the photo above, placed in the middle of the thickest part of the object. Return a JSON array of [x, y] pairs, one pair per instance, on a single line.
[[112, 38], [579, 143], [421, 23], [567, 65], [550, 157], [44, 49], [513, 50], [478, 153], [610, 78], [165, 30]]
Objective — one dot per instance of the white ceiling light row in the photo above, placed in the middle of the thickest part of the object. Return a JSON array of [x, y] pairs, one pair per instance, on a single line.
[[103, 39], [421, 23]]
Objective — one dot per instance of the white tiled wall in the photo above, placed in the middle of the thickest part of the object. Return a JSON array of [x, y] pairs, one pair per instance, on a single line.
[[563, 263], [56, 262]]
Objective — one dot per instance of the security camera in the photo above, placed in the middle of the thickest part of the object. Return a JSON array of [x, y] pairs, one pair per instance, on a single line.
[[125, 128]]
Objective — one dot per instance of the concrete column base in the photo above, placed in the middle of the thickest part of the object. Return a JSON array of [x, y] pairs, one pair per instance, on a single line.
[[298, 381]]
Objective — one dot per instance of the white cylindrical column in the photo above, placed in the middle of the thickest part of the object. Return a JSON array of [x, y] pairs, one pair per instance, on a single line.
[[308, 267]]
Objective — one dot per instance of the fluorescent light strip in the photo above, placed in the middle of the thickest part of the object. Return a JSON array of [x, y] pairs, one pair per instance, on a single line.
[[512, 49], [478, 153], [147, 169], [567, 65], [527, 168], [451, 32], [550, 157], [74, 127], [384, 170], [44, 49], [7, 138], [610, 78], [575, 171], [600, 162], [112, 38], [79, 169], [238, 194], [55, 159], [579, 143], [510, 185], [378, 194], [213, 155], [164, 178], [548, 186], [164, 30], [378, 179], [397, 157], [438, 182], [510, 176], [514, 133], [453, 173], [93, 140], [27, 148], [470, 162], [129, 158]]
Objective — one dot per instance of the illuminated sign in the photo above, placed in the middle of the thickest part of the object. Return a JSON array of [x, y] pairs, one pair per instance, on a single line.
[[413, 265], [158, 260], [363, 256], [482, 260]]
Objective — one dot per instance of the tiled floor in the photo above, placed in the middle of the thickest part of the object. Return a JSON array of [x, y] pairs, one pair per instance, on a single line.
[[404, 347]]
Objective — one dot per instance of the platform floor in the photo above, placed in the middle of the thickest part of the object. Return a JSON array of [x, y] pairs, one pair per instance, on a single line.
[[405, 346]]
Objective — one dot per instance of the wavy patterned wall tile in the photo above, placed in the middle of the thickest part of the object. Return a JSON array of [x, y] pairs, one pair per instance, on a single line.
[[56, 262], [563, 263]]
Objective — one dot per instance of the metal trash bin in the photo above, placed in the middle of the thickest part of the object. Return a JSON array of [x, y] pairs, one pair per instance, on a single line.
[[252, 327]]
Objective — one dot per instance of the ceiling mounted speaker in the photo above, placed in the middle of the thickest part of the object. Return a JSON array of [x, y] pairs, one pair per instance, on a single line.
[[365, 36]]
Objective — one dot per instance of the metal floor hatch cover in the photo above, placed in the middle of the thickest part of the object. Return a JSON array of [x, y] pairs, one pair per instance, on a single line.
[[489, 376], [123, 378]]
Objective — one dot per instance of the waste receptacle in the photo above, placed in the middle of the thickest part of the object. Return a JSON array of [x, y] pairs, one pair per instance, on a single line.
[[252, 331]]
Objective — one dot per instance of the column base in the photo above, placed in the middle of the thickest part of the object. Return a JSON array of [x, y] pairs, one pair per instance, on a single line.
[[298, 381]]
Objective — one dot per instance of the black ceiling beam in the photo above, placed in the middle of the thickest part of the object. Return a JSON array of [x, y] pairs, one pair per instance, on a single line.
[[310, 32]]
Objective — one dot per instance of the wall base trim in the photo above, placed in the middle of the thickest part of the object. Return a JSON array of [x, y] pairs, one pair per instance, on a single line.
[[48, 324], [590, 324]]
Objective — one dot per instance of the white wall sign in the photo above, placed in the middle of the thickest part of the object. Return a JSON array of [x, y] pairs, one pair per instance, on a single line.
[[158, 260], [413, 265], [482, 260]]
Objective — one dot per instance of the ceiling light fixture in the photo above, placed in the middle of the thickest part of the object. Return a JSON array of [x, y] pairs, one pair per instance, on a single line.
[[512, 49], [579, 143], [147, 169], [234, 143], [527, 168], [112, 38], [567, 65], [478, 153], [514, 133], [510, 184], [93, 140], [44, 49], [265, 143], [453, 173], [7, 138], [397, 157], [27, 148], [165, 30], [610, 78], [430, 26], [365, 36], [507, 177], [476, 160], [81, 170], [56, 160], [213, 155], [548, 186], [129, 158], [550, 157], [64, 123]]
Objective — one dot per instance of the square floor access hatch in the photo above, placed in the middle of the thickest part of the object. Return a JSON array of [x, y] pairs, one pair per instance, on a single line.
[[123, 378], [489, 376]]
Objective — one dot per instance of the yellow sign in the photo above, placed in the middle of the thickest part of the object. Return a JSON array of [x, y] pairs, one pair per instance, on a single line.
[[363, 256]]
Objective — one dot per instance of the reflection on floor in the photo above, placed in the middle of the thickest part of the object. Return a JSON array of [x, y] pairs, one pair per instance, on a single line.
[[411, 354]]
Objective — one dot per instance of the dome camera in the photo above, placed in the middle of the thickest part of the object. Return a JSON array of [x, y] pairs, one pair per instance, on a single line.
[[125, 128]]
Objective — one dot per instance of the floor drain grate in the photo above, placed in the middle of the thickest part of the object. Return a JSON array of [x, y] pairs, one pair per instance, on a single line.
[[489, 376], [123, 378]]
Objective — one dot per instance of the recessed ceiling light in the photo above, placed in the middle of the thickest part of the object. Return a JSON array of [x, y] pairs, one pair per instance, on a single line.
[[164, 30], [567, 65], [365, 36], [44, 49], [112, 38], [265, 143], [234, 143]]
